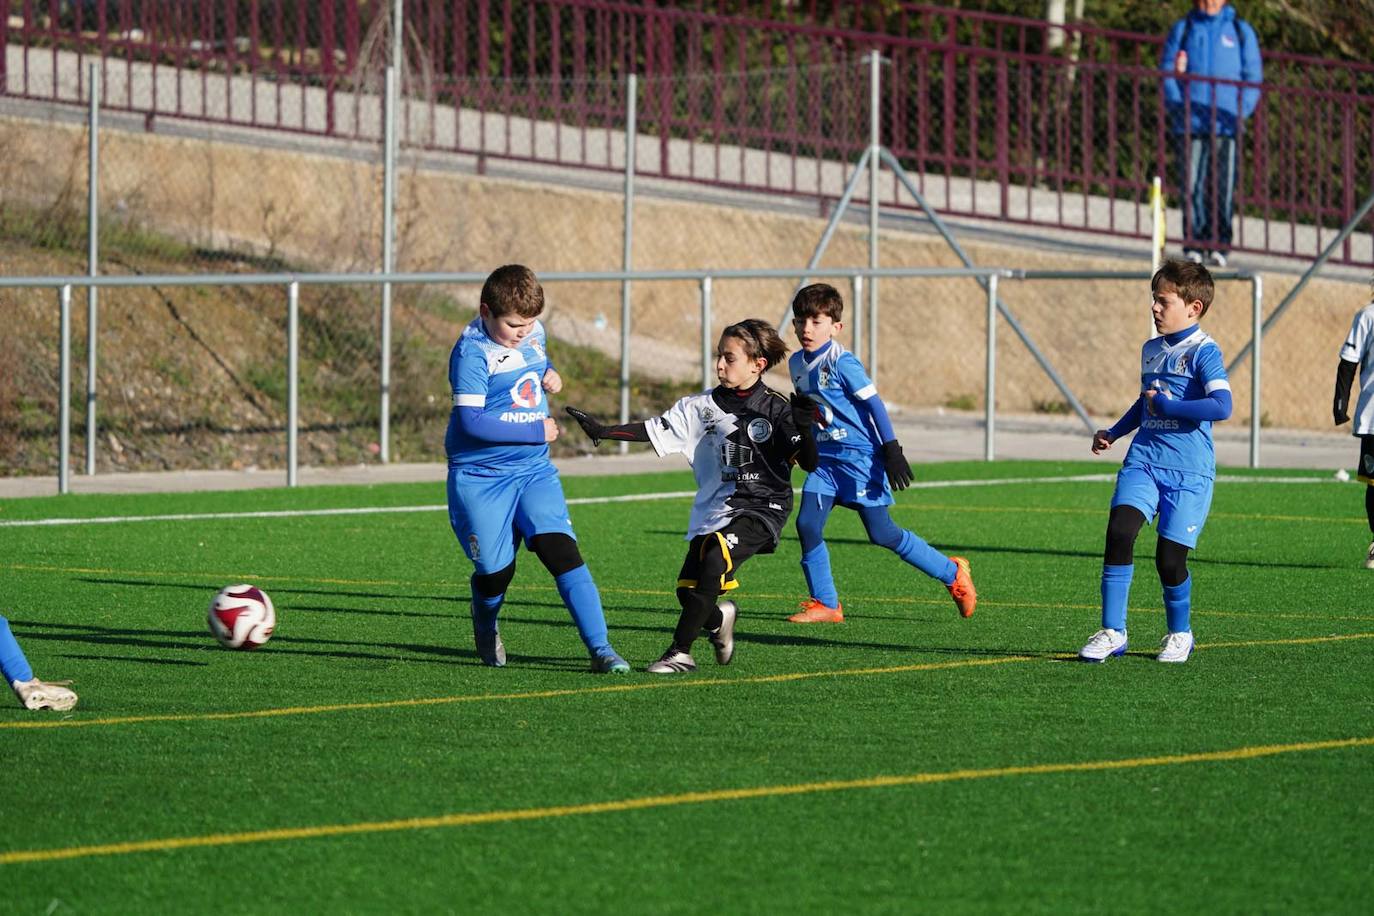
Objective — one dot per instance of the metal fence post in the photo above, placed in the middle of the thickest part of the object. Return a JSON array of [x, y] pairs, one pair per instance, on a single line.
[[875, 148], [1257, 321], [293, 302], [858, 329], [627, 252], [64, 390], [990, 383], [92, 259], [388, 261], [707, 348]]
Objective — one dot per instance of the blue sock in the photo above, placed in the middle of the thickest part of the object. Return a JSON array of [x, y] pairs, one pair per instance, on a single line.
[[13, 664], [1116, 589], [927, 559], [815, 565], [484, 609], [1178, 605], [584, 603]]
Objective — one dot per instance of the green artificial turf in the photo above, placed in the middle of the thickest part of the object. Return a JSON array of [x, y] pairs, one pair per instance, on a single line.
[[905, 760]]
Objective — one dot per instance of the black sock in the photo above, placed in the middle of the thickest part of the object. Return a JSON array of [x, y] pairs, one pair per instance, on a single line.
[[696, 608]]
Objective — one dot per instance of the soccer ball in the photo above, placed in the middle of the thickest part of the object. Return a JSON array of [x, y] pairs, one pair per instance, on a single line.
[[241, 617]]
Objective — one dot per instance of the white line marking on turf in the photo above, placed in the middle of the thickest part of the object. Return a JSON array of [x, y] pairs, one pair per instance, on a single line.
[[584, 501]]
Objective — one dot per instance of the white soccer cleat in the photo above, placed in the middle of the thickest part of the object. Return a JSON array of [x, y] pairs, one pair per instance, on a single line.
[[1176, 647], [1104, 644], [36, 694], [1369, 559], [723, 639], [673, 662]]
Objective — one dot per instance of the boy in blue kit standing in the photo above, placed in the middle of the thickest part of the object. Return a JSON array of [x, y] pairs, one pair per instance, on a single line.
[[1170, 465], [502, 487], [860, 461]]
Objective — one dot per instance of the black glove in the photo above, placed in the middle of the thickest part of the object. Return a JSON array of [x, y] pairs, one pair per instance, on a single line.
[[803, 410], [594, 430], [894, 462]]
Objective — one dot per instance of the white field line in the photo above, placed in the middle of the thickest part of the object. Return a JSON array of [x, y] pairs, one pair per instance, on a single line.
[[584, 501]]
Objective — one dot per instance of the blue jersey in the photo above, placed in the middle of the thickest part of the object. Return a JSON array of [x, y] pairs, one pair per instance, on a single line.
[[835, 379], [1188, 370], [507, 385]]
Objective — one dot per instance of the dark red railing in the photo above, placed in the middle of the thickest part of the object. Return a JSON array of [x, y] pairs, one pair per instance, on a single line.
[[987, 117]]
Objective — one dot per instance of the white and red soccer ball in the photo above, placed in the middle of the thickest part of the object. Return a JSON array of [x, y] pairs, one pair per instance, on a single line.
[[242, 617]]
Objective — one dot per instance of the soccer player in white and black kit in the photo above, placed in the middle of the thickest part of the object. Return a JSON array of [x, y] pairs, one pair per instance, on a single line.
[[741, 439]]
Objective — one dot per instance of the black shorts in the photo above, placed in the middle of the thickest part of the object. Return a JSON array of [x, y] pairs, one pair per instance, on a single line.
[[1365, 469], [739, 540]]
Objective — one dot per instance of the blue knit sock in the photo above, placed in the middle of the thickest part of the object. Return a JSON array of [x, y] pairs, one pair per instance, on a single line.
[[1116, 589], [485, 609], [13, 665], [1178, 605], [584, 604], [926, 558], [815, 565]]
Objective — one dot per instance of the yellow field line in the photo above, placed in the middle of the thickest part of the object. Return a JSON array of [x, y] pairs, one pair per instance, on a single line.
[[634, 687], [522, 695], [664, 801]]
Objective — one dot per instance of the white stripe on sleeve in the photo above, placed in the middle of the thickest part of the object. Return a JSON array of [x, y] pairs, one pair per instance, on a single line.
[[866, 392], [1218, 384], [469, 400]]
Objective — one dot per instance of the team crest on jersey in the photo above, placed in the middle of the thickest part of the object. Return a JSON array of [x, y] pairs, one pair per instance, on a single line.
[[824, 377], [1181, 365], [760, 429], [537, 347], [525, 392]]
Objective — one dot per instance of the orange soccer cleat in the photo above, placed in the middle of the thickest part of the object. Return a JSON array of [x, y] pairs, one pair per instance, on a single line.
[[812, 611], [961, 589]]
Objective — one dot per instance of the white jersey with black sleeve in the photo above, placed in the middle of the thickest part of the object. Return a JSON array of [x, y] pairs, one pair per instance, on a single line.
[[1359, 348], [741, 446]]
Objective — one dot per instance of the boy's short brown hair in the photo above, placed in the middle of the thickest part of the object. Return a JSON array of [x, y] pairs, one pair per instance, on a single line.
[[513, 288], [1189, 279], [818, 299]]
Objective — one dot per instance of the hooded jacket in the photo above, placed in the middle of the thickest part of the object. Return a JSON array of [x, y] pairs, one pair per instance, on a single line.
[[1222, 46]]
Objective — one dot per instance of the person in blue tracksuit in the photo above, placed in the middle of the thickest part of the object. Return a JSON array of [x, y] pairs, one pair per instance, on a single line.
[[1206, 48]]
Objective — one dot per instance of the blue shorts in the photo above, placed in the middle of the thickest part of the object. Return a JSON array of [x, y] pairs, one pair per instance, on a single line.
[[850, 483], [491, 511], [1181, 500]]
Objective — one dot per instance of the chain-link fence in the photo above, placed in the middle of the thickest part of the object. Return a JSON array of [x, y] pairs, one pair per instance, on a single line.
[[499, 168]]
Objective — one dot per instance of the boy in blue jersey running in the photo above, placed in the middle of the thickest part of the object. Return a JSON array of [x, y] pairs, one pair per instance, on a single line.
[[860, 461], [502, 487], [32, 692], [1170, 466]]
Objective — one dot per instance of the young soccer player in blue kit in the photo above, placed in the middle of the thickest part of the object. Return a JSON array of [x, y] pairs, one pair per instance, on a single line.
[[860, 462], [1170, 466], [32, 692], [502, 487]]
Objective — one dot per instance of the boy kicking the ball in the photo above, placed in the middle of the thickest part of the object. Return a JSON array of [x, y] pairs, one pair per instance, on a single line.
[[1170, 466], [502, 487]]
